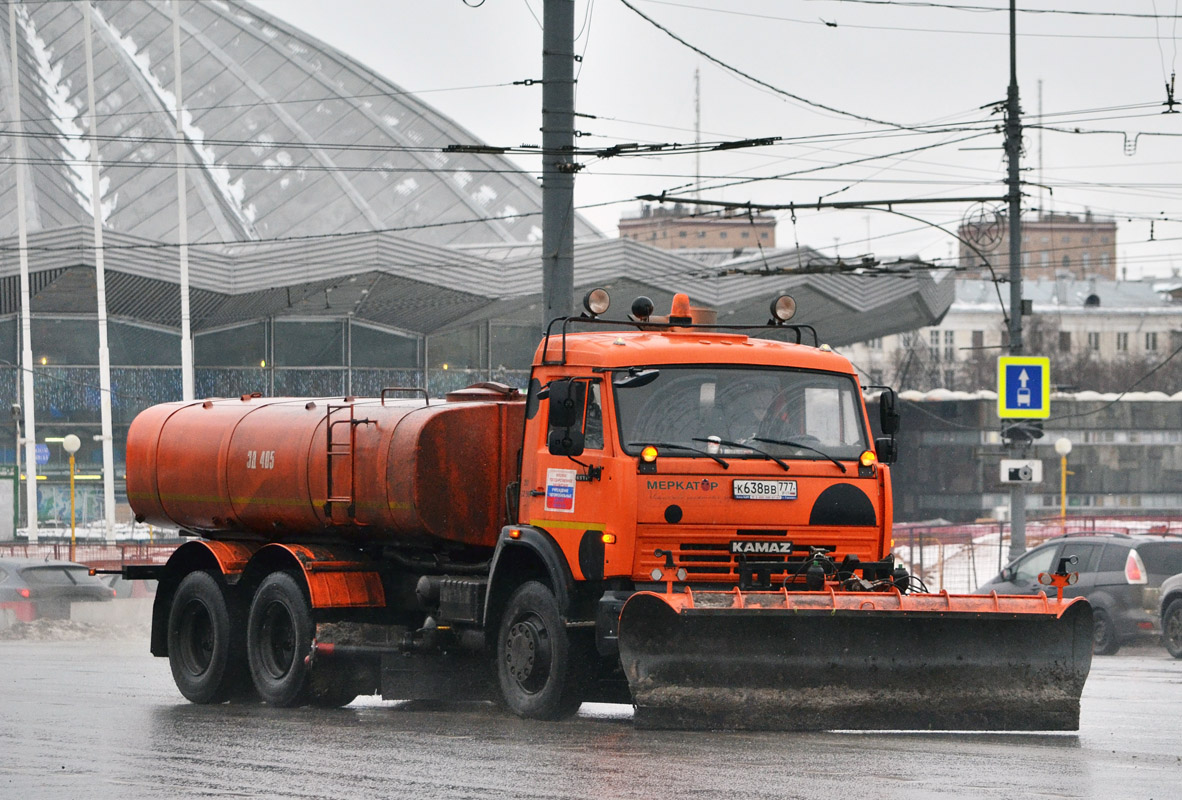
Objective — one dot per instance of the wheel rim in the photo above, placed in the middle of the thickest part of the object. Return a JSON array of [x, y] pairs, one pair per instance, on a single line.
[[277, 640], [527, 653], [1173, 630], [1101, 633], [196, 638]]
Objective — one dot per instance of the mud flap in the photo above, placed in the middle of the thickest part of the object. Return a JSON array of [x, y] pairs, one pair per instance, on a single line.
[[773, 666]]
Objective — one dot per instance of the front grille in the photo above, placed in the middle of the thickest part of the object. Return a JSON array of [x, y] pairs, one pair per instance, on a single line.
[[714, 560]]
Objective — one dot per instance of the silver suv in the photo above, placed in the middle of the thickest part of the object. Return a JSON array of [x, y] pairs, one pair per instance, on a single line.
[[1119, 574]]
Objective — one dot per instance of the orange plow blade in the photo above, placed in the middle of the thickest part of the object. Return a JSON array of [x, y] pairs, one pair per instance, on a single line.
[[855, 660]]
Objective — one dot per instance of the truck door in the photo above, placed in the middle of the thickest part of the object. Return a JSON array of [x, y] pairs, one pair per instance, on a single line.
[[568, 495]]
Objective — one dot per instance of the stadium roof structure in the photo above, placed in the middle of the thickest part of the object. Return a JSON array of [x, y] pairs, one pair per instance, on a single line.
[[283, 134], [319, 188]]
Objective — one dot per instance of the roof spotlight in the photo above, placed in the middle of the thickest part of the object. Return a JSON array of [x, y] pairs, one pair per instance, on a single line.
[[783, 308], [596, 301], [642, 308]]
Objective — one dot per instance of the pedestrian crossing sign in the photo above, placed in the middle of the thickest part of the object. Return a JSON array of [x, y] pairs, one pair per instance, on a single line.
[[1023, 387]]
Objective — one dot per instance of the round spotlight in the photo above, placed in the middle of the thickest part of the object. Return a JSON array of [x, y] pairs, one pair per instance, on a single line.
[[596, 301], [649, 454], [783, 308], [867, 458], [642, 308]]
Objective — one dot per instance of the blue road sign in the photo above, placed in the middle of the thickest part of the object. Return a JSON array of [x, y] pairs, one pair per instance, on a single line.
[[1023, 387]]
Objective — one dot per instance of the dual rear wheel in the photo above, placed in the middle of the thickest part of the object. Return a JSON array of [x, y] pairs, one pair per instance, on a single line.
[[220, 652]]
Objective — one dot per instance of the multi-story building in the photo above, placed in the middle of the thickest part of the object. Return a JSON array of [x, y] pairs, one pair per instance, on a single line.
[[1053, 245], [1093, 331], [679, 228]]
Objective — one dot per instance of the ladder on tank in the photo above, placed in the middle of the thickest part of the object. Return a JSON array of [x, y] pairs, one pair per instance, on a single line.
[[341, 449]]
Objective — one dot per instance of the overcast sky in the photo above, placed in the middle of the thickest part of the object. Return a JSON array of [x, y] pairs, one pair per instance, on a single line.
[[902, 63]]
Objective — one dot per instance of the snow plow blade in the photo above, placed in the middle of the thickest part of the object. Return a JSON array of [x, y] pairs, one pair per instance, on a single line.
[[855, 660]]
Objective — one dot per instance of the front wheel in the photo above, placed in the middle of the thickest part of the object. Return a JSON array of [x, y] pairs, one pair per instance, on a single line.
[[1171, 628], [538, 665], [206, 650], [1104, 641]]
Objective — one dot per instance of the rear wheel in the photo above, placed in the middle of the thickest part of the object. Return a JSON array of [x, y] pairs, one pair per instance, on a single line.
[[538, 665], [1104, 641], [278, 636], [1171, 628], [206, 648], [278, 641]]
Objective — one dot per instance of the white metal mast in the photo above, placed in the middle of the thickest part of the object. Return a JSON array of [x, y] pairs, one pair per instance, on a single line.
[[104, 352], [26, 322], [182, 213]]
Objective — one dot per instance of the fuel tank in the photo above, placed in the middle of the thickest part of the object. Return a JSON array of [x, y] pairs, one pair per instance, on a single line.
[[361, 469]]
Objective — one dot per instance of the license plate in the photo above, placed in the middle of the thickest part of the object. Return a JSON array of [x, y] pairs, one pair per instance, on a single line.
[[764, 490]]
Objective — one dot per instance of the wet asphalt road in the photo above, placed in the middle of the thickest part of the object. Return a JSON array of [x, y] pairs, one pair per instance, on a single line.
[[97, 719]]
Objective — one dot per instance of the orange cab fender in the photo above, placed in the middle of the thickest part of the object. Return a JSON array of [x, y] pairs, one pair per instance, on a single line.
[[526, 553], [224, 560], [332, 577]]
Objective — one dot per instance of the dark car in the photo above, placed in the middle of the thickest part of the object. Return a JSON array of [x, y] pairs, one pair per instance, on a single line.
[[1170, 608], [36, 588], [1118, 573]]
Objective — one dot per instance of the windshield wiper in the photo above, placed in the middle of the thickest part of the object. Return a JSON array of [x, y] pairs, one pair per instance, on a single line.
[[728, 443], [787, 443], [676, 446]]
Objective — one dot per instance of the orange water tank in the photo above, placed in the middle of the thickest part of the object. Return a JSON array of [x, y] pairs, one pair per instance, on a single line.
[[261, 468]]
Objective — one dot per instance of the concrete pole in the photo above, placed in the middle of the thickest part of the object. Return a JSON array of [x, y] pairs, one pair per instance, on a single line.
[[100, 277], [182, 213], [1013, 146], [558, 166], [22, 227]]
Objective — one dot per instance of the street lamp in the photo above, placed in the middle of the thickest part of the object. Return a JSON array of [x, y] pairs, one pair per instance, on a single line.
[[71, 443], [1063, 447]]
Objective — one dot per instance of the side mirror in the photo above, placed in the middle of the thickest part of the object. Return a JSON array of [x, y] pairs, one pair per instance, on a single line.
[[565, 442], [888, 413], [886, 450], [566, 402]]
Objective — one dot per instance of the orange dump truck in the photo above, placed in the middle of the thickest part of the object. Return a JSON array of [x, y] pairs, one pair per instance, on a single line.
[[688, 517]]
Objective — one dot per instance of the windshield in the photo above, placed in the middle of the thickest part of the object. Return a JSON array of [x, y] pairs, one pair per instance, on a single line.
[[685, 405]]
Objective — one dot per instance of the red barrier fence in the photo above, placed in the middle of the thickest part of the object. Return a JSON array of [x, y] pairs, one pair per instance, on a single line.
[[101, 556]]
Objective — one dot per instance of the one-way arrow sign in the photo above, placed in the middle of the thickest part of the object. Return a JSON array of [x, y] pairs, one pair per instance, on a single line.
[[1023, 387]]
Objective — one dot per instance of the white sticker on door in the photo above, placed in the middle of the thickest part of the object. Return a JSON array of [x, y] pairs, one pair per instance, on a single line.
[[560, 490]]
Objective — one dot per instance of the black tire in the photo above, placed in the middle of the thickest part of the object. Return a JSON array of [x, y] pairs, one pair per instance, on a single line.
[[1171, 628], [278, 638], [1104, 641], [206, 641], [540, 668]]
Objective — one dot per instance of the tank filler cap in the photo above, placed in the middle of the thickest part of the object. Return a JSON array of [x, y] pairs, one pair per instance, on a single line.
[[246, 398]]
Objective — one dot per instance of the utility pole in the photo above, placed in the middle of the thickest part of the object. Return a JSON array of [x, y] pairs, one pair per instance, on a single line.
[[558, 165], [1013, 146]]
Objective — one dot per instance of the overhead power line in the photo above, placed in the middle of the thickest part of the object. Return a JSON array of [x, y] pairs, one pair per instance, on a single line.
[[1002, 9], [759, 82]]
